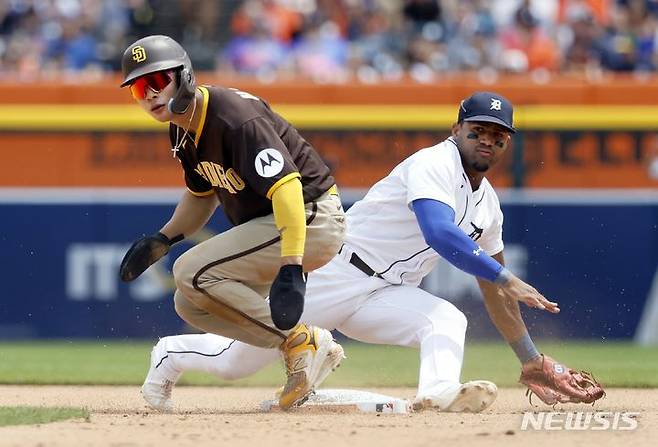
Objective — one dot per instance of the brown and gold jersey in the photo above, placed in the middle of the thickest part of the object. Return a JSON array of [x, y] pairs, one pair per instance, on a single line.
[[242, 151]]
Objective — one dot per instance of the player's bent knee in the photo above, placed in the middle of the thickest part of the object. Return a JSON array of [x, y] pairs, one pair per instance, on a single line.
[[448, 313], [461, 318], [183, 274], [458, 316], [163, 342], [184, 308], [315, 263], [320, 256]]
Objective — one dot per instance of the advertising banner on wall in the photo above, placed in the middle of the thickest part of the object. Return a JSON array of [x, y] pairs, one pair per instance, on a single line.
[[569, 158], [596, 254]]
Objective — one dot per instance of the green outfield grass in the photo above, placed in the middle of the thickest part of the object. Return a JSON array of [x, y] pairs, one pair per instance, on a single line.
[[39, 415], [125, 363]]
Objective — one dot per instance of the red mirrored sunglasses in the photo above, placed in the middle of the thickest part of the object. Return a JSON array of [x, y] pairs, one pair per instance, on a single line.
[[154, 81]]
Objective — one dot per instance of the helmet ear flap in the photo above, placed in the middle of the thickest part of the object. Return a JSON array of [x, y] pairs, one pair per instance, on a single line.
[[185, 93]]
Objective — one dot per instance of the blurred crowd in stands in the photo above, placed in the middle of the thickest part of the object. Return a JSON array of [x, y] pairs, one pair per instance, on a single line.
[[336, 40]]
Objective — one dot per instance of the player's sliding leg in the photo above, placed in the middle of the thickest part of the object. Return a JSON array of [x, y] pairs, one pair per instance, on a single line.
[[333, 294], [222, 284], [220, 356], [228, 359], [408, 316]]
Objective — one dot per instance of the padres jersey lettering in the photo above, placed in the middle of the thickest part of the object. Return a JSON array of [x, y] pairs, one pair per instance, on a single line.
[[215, 175], [242, 151], [383, 229]]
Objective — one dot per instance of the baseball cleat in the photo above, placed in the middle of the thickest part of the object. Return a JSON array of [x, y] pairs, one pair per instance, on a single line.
[[157, 389], [471, 397], [310, 354], [158, 395]]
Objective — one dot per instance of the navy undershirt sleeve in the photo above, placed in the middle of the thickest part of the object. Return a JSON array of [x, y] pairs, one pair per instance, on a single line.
[[437, 222]]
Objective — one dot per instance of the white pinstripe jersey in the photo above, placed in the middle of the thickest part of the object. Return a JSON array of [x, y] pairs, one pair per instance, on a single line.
[[382, 228]]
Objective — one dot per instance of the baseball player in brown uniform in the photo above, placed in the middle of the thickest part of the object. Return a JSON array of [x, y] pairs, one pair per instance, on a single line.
[[276, 191]]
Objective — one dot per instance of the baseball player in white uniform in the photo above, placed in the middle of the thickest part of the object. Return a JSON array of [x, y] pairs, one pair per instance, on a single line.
[[435, 203]]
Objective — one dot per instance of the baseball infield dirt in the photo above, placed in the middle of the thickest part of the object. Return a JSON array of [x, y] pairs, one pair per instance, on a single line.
[[231, 416]]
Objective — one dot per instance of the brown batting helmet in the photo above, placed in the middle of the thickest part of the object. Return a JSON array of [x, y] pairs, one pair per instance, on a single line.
[[159, 53]]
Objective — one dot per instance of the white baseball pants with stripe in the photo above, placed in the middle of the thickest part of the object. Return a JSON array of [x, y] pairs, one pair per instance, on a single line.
[[368, 309]]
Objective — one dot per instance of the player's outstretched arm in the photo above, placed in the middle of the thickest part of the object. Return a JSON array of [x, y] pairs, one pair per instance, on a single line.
[[512, 287], [190, 215], [549, 380], [505, 314], [289, 287], [503, 311], [436, 221]]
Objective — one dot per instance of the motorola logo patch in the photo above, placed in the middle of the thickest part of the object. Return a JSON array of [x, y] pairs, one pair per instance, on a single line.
[[269, 162]]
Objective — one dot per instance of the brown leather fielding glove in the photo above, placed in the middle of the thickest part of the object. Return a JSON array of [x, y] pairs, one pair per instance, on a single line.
[[555, 383]]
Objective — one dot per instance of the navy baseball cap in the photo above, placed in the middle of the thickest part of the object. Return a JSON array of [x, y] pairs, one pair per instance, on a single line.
[[488, 107]]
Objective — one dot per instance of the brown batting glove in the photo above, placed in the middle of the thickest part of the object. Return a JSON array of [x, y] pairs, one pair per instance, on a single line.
[[555, 383], [287, 296], [143, 253]]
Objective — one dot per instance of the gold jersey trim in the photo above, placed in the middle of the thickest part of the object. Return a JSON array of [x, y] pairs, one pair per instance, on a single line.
[[204, 110], [201, 194], [280, 182]]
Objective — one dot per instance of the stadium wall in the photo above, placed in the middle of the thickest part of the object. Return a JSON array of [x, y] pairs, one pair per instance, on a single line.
[[114, 145], [85, 172], [596, 253], [575, 132]]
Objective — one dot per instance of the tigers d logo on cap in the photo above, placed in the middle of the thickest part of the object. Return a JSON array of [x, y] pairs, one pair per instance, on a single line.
[[487, 107], [139, 54]]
